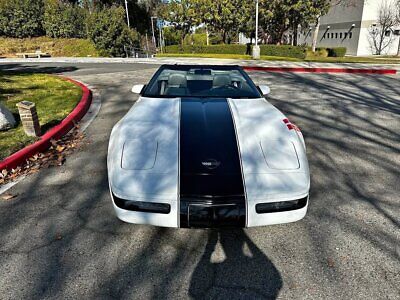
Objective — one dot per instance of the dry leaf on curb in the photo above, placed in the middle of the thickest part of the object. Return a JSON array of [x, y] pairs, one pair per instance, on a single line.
[[54, 156], [7, 196], [60, 148]]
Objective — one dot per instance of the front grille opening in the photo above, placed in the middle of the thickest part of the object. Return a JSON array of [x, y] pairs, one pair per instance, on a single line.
[[281, 206]]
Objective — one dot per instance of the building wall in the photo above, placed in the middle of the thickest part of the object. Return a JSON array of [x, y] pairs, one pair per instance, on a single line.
[[340, 27], [370, 17], [349, 27]]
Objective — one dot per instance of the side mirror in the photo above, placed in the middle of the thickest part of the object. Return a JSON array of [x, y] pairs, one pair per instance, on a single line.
[[265, 90], [137, 88]]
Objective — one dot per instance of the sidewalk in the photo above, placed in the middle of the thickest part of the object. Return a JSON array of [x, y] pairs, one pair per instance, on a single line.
[[196, 60]]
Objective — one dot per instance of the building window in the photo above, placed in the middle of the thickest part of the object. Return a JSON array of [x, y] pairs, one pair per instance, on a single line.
[[387, 33], [341, 35], [350, 35], [396, 32], [336, 35], [345, 35]]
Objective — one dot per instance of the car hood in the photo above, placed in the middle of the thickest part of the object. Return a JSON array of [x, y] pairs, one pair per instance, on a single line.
[[164, 149]]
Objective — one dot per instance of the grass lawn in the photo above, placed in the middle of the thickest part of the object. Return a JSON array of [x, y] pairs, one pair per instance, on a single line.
[[55, 98], [347, 59]]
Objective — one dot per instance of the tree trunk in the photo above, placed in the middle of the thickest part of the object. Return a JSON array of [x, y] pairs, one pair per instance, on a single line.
[[183, 39], [295, 33], [398, 49], [381, 40], [315, 35]]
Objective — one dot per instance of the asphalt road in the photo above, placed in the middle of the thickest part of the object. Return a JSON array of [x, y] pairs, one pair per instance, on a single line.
[[59, 237]]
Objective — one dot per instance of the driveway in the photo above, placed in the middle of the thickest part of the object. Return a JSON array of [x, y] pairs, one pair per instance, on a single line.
[[59, 238]]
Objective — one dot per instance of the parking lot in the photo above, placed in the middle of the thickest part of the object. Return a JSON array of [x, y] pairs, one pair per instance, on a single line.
[[59, 238]]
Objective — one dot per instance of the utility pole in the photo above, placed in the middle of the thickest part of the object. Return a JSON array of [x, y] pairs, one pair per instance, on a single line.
[[256, 48], [127, 13]]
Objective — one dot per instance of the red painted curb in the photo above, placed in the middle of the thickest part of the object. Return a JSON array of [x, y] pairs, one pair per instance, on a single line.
[[55, 133], [322, 70]]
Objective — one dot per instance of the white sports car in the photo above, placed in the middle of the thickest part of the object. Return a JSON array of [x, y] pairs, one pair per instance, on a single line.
[[202, 147]]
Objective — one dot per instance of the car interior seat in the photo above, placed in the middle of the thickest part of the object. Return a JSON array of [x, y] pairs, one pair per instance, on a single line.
[[220, 80], [177, 85]]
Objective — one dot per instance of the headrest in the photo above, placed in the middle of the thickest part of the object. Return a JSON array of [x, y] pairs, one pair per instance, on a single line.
[[222, 80], [177, 80]]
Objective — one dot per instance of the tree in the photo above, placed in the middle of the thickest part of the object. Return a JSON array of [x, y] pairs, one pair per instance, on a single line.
[[279, 16], [398, 23], [64, 20], [109, 32], [319, 8], [21, 18], [229, 17], [182, 14], [380, 34]]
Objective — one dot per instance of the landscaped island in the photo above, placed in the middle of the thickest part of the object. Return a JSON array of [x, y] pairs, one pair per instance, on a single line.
[[54, 97]]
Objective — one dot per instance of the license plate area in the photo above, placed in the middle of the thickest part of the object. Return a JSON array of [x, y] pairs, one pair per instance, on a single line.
[[207, 216]]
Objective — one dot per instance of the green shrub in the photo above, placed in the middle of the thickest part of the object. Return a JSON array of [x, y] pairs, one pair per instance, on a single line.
[[63, 20], [21, 18], [171, 35], [319, 52], [212, 49], [196, 39], [322, 52], [56, 47], [109, 32], [267, 50], [337, 52], [283, 51]]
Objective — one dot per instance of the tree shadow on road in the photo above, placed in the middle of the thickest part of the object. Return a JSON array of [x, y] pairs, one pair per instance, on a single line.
[[246, 272]]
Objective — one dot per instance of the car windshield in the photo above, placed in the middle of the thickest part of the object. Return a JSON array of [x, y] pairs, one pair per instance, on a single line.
[[202, 81]]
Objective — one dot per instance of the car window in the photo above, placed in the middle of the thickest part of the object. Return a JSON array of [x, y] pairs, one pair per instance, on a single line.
[[201, 82]]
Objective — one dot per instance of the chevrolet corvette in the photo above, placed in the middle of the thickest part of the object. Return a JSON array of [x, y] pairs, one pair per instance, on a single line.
[[202, 147]]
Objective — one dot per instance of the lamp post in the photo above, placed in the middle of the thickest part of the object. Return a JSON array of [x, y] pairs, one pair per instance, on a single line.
[[127, 13], [256, 48]]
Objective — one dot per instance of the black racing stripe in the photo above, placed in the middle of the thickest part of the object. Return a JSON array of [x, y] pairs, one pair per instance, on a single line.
[[211, 185]]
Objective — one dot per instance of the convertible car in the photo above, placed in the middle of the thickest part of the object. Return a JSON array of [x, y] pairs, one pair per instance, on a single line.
[[202, 147]]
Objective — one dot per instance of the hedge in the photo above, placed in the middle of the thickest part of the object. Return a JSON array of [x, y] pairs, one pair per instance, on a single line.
[[9, 47], [337, 52], [330, 52], [267, 50]]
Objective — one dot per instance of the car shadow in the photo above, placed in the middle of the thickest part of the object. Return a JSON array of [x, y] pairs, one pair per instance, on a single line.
[[246, 272]]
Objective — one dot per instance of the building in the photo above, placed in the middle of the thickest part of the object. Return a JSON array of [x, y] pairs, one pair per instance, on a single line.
[[352, 27]]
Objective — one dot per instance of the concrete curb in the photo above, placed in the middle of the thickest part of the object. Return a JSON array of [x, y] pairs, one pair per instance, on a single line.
[[54, 133], [321, 70]]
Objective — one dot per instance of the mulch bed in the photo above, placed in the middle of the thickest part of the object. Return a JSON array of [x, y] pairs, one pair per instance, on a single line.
[[53, 157]]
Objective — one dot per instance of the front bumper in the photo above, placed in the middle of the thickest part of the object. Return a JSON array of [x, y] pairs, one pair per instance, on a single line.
[[203, 213]]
